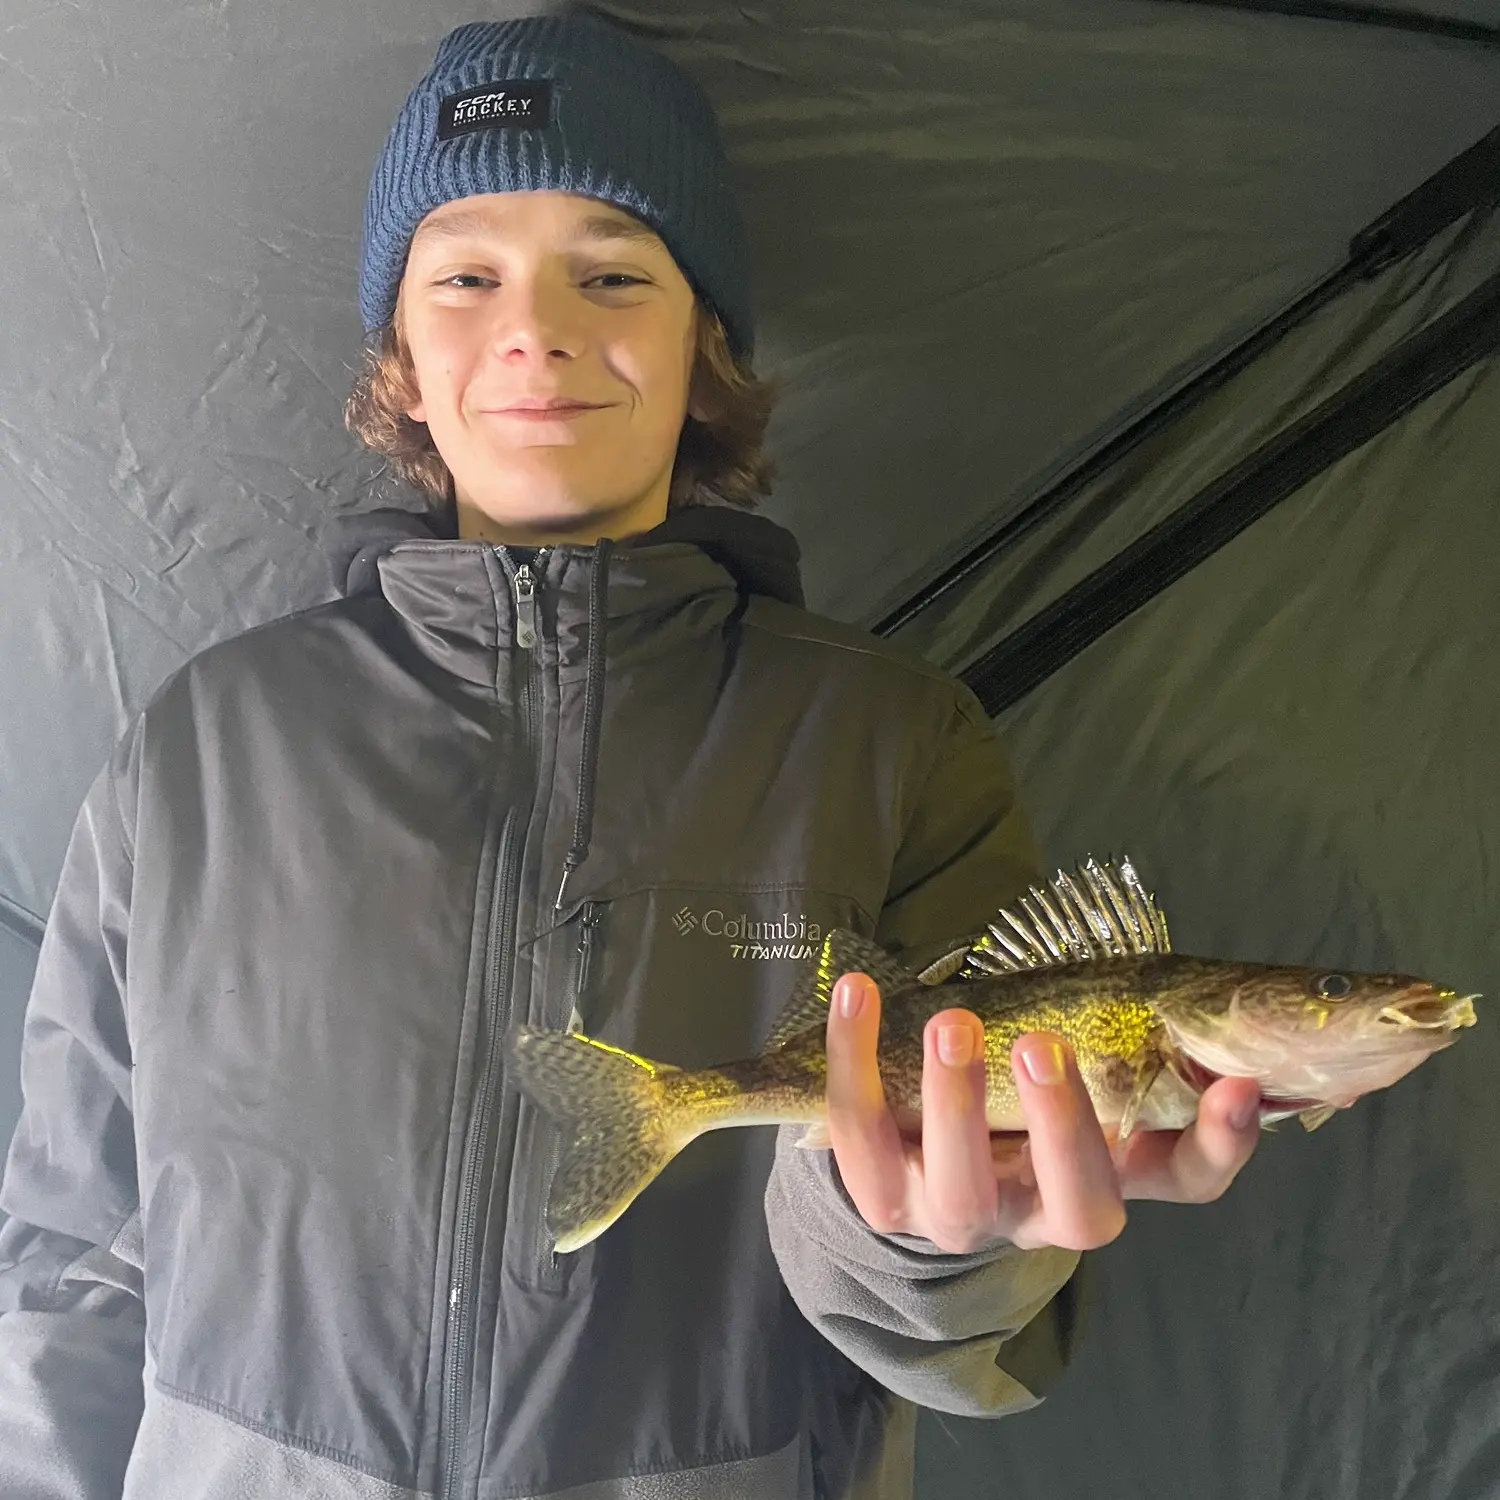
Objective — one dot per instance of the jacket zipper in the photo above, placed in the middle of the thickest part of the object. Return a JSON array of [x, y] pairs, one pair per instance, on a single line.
[[458, 1383], [524, 585], [545, 1260]]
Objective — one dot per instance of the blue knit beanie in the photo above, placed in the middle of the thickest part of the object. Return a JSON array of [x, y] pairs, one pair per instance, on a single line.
[[566, 102]]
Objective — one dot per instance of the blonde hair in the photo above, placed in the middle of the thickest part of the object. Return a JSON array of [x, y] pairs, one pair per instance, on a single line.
[[721, 458]]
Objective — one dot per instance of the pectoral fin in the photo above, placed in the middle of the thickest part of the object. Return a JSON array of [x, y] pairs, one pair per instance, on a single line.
[[1148, 1063]]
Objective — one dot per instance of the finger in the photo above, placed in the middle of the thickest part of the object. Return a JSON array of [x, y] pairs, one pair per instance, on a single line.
[[957, 1209], [1020, 1216], [1075, 1174], [871, 1155], [1018, 1212], [1198, 1165]]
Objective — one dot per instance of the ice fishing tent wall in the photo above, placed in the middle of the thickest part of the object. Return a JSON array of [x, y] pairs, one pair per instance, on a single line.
[[1053, 289]]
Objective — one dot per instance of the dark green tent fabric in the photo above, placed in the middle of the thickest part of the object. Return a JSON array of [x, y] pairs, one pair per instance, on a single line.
[[1297, 744], [988, 235]]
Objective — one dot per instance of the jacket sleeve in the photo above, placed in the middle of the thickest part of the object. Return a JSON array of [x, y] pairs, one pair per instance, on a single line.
[[72, 1319], [982, 1334]]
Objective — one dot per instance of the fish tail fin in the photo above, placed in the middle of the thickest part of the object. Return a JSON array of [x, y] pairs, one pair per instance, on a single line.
[[615, 1115]]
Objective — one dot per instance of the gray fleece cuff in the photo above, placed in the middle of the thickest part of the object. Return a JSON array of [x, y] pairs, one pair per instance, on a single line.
[[927, 1324]]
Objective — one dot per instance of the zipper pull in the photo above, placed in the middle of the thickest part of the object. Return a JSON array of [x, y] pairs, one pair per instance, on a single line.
[[587, 923], [525, 590]]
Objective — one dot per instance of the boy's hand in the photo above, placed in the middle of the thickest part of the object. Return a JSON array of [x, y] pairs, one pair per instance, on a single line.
[[1057, 1184]]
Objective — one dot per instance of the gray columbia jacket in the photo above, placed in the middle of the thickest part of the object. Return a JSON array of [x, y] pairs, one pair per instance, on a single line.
[[273, 1222]]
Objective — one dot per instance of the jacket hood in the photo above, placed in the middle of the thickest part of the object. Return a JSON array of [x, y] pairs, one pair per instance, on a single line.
[[762, 557]]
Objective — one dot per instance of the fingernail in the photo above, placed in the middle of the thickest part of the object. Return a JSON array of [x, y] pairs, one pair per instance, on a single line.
[[851, 997], [955, 1045], [1043, 1062]]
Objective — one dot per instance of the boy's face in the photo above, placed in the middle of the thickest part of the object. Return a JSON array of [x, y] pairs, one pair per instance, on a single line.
[[543, 297]]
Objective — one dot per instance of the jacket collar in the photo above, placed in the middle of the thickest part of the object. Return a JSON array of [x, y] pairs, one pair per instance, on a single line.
[[457, 596]]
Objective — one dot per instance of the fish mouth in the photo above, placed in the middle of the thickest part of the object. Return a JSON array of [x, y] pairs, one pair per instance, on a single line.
[[1443, 1011]]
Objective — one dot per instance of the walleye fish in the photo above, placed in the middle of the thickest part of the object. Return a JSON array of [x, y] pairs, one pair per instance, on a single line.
[[1088, 958]]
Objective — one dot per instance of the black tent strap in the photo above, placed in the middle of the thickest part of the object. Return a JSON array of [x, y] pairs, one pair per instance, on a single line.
[[1367, 15], [1470, 181], [1421, 364]]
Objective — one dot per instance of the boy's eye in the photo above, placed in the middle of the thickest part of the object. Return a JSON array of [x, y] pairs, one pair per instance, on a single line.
[[619, 277]]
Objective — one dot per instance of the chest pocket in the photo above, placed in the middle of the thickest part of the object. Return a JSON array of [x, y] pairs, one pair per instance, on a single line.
[[683, 974]]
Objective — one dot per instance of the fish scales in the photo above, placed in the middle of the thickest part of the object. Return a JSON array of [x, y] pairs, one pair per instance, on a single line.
[[1101, 1015]]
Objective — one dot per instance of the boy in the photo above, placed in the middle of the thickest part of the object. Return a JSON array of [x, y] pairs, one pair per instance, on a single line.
[[557, 743]]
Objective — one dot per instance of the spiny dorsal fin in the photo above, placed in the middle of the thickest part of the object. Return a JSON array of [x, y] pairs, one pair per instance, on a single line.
[[841, 953], [1097, 912]]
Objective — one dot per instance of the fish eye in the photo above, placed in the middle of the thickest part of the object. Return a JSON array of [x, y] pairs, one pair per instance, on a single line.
[[1334, 986]]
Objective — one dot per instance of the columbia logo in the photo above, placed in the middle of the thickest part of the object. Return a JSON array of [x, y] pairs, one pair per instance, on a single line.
[[685, 921]]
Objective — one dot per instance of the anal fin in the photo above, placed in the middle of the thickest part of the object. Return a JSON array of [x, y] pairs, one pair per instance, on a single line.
[[1312, 1118]]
